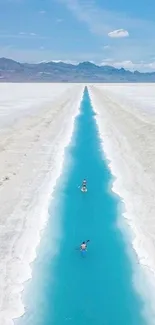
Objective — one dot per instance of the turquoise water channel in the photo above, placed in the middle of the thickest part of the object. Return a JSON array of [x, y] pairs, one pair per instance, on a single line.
[[69, 288]]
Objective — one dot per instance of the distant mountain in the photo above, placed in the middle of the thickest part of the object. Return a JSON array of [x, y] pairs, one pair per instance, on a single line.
[[12, 71]]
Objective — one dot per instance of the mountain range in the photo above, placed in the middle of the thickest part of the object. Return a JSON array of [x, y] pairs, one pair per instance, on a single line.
[[13, 71]]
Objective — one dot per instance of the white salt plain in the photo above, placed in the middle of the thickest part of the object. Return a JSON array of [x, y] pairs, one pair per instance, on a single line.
[[126, 119], [36, 123], [31, 156]]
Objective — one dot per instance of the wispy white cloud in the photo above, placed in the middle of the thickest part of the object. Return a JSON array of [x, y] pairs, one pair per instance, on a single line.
[[131, 49], [118, 33], [65, 61], [23, 35], [38, 54], [43, 54], [33, 34], [42, 12], [85, 11], [106, 47], [59, 20], [107, 60], [11, 1], [130, 65], [101, 22]]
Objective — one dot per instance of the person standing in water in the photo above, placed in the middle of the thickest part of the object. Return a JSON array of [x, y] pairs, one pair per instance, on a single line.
[[84, 183], [83, 246]]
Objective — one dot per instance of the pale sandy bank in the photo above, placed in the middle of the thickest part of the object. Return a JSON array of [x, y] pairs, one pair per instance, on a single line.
[[126, 119], [31, 155]]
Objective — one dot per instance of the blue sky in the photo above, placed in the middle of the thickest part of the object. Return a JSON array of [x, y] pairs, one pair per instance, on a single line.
[[119, 33]]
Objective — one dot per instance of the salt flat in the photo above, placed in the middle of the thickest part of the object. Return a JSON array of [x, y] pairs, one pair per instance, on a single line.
[[32, 144], [36, 123], [18, 100], [126, 119]]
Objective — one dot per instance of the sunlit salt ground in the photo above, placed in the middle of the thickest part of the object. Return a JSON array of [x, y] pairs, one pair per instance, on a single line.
[[36, 123], [126, 119], [69, 288], [20, 100]]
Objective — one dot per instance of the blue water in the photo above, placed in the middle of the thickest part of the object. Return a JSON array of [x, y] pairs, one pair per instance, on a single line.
[[71, 288]]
